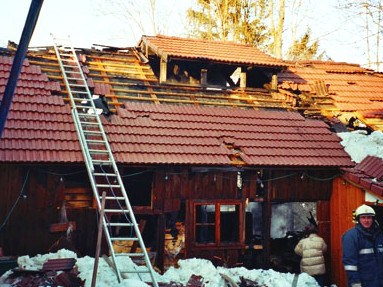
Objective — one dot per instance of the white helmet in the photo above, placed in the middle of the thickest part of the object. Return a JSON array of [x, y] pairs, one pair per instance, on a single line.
[[364, 210]]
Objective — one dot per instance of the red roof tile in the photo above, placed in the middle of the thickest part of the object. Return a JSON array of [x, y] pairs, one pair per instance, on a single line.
[[368, 173], [209, 50], [351, 87], [200, 135], [40, 129], [371, 166]]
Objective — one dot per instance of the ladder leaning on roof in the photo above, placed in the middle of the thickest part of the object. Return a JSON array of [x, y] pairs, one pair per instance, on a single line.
[[101, 166]]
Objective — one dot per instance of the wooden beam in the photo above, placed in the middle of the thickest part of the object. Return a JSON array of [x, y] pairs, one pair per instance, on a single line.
[[274, 82], [204, 78], [163, 70], [242, 79]]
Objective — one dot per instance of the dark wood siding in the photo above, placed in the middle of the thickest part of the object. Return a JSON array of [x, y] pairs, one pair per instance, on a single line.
[[28, 228], [300, 185]]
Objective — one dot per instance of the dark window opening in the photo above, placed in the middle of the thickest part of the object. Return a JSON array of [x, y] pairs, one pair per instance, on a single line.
[[138, 186], [256, 78]]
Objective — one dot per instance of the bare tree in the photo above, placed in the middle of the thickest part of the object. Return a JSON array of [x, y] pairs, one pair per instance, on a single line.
[[148, 17], [277, 29], [371, 13]]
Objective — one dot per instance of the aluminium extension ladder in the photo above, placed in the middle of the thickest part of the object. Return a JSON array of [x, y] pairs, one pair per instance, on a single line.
[[101, 166]]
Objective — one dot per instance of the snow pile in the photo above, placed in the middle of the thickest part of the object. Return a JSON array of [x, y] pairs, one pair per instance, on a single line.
[[212, 278], [359, 145]]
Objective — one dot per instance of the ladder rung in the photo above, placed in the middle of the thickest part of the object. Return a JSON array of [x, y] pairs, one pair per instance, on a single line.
[[83, 107], [93, 142], [114, 197], [77, 85], [135, 271], [109, 185], [119, 224], [104, 174], [116, 211], [130, 254], [89, 123], [98, 151], [71, 66], [65, 54], [82, 99], [92, 132], [68, 58], [99, 161], [73, 72], [87, 115], [79, 92], [124, 238]]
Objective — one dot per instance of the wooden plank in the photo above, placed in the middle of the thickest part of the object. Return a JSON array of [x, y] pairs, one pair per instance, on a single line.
[[99, 237], [62, 227], [195, 281], [228, 280], [59, 264]]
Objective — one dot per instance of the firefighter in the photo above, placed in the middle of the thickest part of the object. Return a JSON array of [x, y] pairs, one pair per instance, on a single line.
[[363, 250]]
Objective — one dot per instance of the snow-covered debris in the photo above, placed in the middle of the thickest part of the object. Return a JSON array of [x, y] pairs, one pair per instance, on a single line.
[[211, 274]]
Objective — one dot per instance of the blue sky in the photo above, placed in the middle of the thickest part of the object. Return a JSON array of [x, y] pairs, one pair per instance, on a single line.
[[86, 24]]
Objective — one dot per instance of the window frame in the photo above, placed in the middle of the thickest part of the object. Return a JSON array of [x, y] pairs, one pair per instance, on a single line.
[[217, 223]]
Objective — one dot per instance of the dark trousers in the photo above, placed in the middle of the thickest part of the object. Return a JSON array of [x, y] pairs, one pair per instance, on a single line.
[[320, 279]]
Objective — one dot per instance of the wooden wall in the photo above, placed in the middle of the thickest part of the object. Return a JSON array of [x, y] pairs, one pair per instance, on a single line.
[[345, 198], [300, 185], [28, 228]]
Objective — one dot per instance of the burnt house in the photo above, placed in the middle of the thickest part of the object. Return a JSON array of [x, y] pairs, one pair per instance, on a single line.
[[349, 98], [207, 158]]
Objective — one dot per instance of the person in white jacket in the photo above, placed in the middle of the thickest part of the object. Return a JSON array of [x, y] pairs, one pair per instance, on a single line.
[[312, 249]]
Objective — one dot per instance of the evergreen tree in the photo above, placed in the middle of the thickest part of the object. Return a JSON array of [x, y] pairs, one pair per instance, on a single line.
[[241, 21], [301, 49]]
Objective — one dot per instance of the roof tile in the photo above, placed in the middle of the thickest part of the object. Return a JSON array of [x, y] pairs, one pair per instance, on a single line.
[[219, 51], [39, 128]]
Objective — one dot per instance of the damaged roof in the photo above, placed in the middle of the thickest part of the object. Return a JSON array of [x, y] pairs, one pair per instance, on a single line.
[[338, 89], [40, 128], [368, 174], [218, 51]]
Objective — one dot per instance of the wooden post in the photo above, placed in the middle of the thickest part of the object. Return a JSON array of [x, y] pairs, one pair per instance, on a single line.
[[161, 225], [204, 78], [242, 79], [274, 82], [163, 70], [99, 237]]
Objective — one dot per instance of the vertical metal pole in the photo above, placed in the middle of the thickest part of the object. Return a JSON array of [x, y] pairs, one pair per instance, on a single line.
[[26, 36]]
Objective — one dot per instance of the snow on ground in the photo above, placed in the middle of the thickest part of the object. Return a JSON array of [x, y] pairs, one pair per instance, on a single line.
[[202, 267], [359, 145]]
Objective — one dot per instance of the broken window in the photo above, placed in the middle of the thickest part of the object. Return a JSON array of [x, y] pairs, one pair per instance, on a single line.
[[290, 217], [217, 223]]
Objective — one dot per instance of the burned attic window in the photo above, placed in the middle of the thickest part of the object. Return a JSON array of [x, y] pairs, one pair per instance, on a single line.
[[257, 78]]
